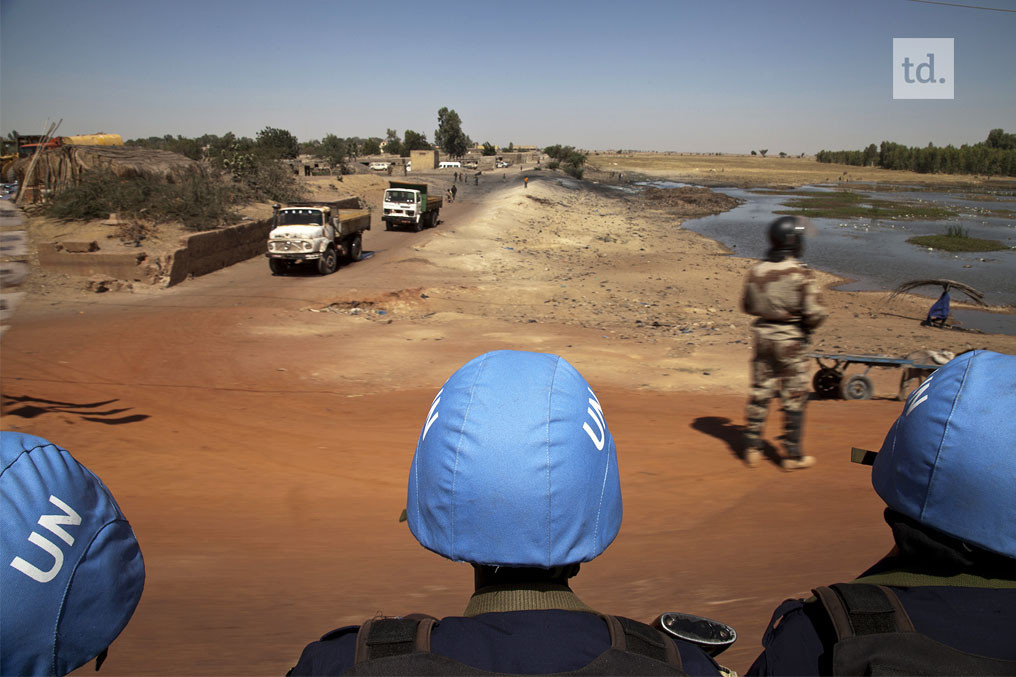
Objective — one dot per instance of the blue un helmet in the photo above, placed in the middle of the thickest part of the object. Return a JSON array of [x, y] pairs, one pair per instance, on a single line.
[[949, 460], [515, 466], [72, 569]]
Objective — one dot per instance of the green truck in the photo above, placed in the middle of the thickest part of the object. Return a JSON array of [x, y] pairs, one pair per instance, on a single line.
[[410, 204]]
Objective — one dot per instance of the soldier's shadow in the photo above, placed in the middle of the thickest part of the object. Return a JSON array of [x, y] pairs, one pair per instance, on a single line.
[[733, 435]]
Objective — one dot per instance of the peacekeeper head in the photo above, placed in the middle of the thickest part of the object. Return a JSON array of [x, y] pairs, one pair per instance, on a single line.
[[515, 471], [72, 570], [786, 237], [947, 468]]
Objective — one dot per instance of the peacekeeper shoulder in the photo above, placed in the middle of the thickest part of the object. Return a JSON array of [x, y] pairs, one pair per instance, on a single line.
[[401, 646], [875, 635]]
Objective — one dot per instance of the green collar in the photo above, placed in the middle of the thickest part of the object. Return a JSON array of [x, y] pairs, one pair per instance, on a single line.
[[527, 597], [908, 579]]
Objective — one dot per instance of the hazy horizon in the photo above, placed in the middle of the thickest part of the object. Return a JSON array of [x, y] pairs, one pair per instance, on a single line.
[[795, 76]]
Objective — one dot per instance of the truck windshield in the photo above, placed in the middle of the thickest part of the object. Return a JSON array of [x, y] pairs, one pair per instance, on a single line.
[[300, 217], [400, 196]]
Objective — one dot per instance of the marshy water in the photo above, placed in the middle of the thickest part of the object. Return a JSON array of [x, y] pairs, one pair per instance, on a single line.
[[873, 253]]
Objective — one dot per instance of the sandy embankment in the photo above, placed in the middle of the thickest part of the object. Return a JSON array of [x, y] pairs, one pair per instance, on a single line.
[[613, 283]]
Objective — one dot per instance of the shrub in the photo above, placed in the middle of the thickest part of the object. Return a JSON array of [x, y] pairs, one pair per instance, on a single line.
[[198, 201]]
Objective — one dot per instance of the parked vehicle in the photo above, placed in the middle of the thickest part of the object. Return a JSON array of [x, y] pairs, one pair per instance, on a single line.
[[318, 233], [501, 164], [449, 165], [380, 166], [410, 204]]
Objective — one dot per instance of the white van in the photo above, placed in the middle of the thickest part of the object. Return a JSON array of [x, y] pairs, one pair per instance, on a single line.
[[380, 166], [449, 165]]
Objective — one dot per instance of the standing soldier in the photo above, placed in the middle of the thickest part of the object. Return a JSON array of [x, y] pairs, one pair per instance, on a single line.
[[781, 293]]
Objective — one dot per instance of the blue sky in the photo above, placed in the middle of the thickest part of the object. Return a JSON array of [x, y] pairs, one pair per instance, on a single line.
[[700, 76]]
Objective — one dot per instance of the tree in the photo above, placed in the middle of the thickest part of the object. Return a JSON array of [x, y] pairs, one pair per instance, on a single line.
[[392, 142], [488, 149], [763, 152], [333, 149], [371, 146], [754, 153], [449, 135], [277, 143], [782, 154], [511, 147], [414, 141], [997, 138], [567, 156]]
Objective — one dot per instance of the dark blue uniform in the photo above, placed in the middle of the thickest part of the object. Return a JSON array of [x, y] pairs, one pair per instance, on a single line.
[[526, 642], [979, 621]]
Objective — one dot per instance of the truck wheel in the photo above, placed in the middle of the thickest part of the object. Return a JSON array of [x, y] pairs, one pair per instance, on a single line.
[[388, 225], [355, 247], [418, 226], [278, 267], [328, 262]]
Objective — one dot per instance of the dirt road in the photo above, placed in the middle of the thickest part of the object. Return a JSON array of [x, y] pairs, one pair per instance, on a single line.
[[257, 430]]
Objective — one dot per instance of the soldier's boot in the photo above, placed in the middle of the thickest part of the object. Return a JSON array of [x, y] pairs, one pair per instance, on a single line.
[[752, 450], [795, 459]]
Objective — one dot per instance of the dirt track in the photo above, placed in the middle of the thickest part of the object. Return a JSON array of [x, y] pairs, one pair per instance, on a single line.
[[261, 449]]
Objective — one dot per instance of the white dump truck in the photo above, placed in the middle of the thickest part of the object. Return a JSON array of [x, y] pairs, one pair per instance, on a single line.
[[318, 233], [410, 204]]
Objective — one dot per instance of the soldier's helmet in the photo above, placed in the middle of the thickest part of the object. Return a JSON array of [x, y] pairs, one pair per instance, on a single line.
[[786, 234], [515, 466], [949, 460], [72, 569]]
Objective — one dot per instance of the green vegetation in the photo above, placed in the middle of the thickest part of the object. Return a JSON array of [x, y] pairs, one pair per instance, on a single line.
[[568, 158], [957, 239], [277, 144], [449, 135], [844, 204], [488, 149], [995, 156], [199, 201]]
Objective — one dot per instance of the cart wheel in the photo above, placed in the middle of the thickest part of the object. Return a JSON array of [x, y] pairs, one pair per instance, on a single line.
[[826, 382], [857, 387]]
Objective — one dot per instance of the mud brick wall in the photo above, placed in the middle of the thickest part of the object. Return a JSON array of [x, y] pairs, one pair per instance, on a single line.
[[201, 253], [212, 250], [128, 266]]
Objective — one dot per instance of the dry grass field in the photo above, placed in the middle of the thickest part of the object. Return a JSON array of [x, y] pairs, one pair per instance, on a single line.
[[745, 170]]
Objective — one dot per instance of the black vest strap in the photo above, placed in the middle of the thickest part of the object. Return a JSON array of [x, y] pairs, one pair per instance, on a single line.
[[875, 636], [396, 646]]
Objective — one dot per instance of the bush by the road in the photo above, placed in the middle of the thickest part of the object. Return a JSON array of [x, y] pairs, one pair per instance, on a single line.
[[199, 202]]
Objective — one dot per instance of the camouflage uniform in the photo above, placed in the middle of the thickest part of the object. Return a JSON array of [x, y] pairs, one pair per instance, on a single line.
[[784, 297]]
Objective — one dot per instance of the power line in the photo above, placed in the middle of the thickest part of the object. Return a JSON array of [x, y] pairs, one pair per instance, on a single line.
[[956, 4]]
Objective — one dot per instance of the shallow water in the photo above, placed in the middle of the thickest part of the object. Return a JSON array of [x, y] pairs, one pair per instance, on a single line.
[[873, 253]]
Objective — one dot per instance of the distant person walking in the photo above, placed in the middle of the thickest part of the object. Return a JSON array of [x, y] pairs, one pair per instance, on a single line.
[[456, 177], [525, 182], [476, 179], [455, 191]]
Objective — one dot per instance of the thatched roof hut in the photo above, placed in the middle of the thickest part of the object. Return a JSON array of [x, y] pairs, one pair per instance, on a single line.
[[57, 168]]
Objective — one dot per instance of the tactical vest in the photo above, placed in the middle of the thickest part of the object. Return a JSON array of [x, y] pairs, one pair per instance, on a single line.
[[875, 636], [401, 646]]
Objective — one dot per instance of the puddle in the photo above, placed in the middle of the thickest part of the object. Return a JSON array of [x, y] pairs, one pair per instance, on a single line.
[[874, 254]]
